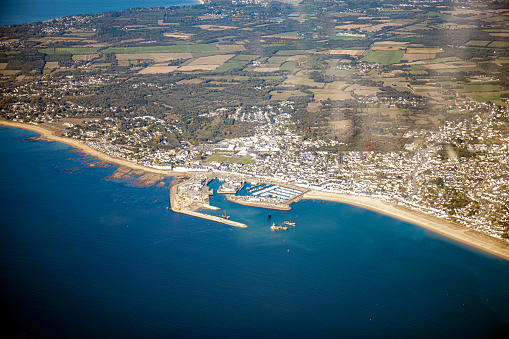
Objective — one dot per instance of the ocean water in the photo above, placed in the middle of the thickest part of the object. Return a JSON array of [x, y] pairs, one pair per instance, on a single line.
[[82, 256], [15, 12]]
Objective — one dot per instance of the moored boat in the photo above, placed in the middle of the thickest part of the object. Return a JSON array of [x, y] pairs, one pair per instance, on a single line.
[[277, 228]]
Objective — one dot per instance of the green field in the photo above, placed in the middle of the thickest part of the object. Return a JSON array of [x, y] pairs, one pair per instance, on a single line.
[[478, 43], [223, 158], [485, 96], [230, 65], [439, 60], [162, 49], [428, 90], [277, 60], [383, 57], [3, 65], [246, 57], [291, 52], [479, 88], [288, 66], [497, 44], [69, 50]]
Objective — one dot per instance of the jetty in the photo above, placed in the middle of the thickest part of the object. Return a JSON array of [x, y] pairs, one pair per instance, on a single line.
[[189, 195]]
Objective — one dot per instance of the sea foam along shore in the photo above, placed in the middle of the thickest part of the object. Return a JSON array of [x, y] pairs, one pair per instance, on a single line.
[[47, 133], [448, 229], [476, 239]]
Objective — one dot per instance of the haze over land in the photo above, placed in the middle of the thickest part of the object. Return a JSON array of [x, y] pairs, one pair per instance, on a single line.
[[399, 101]]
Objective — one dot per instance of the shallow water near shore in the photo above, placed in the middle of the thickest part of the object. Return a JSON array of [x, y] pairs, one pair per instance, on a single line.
[[28, 11], [82, 256]]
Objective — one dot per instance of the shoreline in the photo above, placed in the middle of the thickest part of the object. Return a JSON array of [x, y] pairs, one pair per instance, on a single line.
[[445, 228], [176, 209], [49, 135]]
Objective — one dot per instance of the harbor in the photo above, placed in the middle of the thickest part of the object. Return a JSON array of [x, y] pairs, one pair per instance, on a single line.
[[270, 196], [189, 195]]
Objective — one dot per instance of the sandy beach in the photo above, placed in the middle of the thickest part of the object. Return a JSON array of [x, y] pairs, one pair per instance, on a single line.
[[48, 134], [446, 228], [459, 233]]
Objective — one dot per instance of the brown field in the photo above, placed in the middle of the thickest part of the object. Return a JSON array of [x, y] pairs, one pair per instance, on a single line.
[[190, 68], [51, 65], [131, 40], [215, 27], [9, 71], [212, 60], [85, 57], [178, 35], [3, 65], [324, 94], [397, 23], [387, 48], [266, 69], [452, 25], [313, 107], [504, 35], [424, 50], [362, 90], [463, 11], [161, 23], [208, 63], [158, 69], [156, 57], [392, 43], [336, 85], [414, 28], [282, 36], [440, 66], [418, 56], [351, 26], [124, 63], [295, 57], [350, 52], [190, 81], [92, 43], [301, 79], [231, 48]]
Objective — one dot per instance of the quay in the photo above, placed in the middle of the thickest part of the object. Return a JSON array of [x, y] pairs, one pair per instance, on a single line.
[[189, 205], [269, 203]]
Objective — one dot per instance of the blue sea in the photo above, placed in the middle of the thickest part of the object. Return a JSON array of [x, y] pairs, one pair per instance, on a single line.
[[15, 12], [83, 256]]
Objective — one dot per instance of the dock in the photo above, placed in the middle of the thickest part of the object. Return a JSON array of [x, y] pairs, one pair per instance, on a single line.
[[270, 196], [230, 187], [189, 206]]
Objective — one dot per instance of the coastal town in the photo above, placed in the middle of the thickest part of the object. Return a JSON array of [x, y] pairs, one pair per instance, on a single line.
[[373, 107], [458, 173]]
